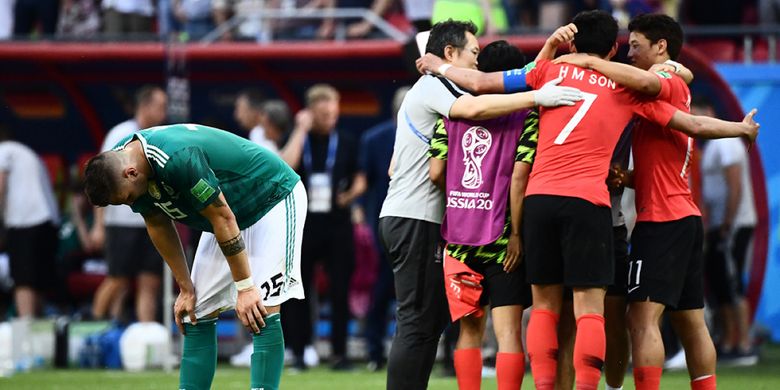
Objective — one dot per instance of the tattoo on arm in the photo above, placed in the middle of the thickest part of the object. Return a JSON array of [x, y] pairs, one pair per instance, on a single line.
[[232, 246], [218, 203]]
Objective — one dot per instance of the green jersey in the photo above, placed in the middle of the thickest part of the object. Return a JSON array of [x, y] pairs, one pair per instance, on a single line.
[[193, 164]]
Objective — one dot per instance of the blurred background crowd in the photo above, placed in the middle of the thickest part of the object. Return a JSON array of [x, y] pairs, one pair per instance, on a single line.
[[89, 269], [266, 20]]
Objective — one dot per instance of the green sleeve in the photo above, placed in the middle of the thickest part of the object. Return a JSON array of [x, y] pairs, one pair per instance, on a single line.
[[189, 172], [438, 148], [526, 144]]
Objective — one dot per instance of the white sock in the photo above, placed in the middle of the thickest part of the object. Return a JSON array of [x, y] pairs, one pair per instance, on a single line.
[[614, 388]]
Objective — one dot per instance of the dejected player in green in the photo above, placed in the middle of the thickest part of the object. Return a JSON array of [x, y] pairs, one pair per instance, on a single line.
[[251, 207]]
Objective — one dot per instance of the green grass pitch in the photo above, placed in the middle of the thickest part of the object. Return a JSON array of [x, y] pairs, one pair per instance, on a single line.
[[766, 375]]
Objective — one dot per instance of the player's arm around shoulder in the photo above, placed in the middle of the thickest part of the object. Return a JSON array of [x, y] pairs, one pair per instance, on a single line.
[[471, 79], [628, 76], [491, 106]]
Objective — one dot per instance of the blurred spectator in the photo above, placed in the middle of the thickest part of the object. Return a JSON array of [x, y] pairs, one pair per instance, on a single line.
[[624, 10], [129, 252], [122, 17], [376, 150], [553, 13], [248, 111], [488, 15], [251, 28], [328, 169], [267, 123], [303, 29], [419, 13], [195, 16], [30, 216], [731, 219], [769, 11], [6, 19], [30, 13], [275, 119], [79, 19], [522, 13], [363, 28]]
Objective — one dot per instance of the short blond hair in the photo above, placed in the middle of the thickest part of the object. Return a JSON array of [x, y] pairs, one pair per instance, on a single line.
[[319, 92]]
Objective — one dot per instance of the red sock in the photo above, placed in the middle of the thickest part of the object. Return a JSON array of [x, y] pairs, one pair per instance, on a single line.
[[647, 378], [468, 368], [542, 340], [510, 368], [708, 383], [590, 346]]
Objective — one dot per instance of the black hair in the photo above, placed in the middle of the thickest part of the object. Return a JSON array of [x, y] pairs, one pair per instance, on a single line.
[[144, 94], [499, 56], [278, 113], [597, 32], [254, 97], [100, 180], [449, 33], [659, 26]]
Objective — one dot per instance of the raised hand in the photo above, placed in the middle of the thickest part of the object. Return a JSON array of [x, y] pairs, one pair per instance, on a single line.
[[563, 34], [752, 127]]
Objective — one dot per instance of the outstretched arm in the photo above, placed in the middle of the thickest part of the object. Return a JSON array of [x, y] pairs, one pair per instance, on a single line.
[[705, 127]]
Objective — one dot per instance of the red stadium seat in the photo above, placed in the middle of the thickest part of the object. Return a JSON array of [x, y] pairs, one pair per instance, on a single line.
[[760, 51], [717, 50]]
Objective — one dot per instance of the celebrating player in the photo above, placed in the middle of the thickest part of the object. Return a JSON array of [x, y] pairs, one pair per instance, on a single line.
[[666, 264], [411, 215], [489, 168], [567, 223]]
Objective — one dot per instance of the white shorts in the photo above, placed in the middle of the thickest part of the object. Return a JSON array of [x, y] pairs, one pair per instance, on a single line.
[[274, 248]]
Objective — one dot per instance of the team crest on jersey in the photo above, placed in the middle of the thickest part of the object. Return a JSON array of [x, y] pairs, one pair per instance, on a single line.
[[154, 191], [167, 189]]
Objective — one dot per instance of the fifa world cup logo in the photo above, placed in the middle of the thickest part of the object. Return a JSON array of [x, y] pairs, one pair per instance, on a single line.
[[476, 143]]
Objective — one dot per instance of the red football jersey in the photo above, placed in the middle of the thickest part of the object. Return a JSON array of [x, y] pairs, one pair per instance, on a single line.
[[576, 142], [662, 159]]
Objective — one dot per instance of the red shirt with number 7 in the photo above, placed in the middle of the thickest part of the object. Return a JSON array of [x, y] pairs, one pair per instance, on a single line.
[[576, 142]]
